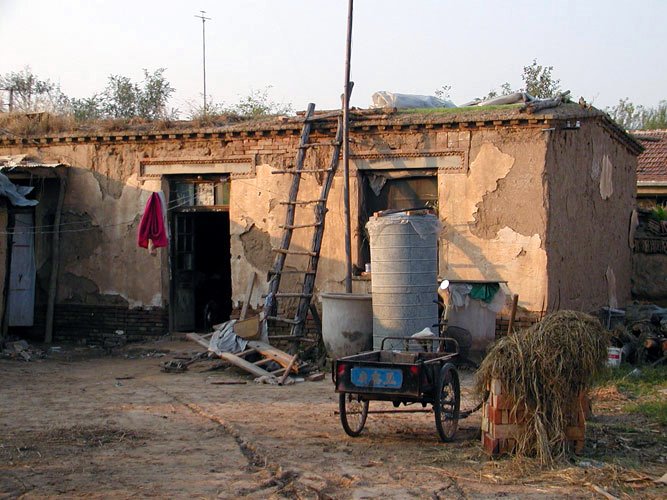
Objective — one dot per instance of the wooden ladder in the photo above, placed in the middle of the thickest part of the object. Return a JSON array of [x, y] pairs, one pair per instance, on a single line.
[[298, 321]]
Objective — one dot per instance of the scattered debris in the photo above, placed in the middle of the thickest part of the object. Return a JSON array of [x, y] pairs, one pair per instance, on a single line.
[[639, 330], [257, 358], [228, 382], [315, 377], [20, 350], [178, 365]]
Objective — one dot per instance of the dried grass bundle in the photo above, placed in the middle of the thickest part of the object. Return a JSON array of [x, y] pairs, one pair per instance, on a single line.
[[544, 369]]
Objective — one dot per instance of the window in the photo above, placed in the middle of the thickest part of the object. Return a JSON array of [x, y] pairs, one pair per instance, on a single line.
[[212, 192], [394, 189]]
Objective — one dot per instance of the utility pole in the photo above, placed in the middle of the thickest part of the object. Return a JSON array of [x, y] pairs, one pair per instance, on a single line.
[[203, 41], [346, 151]]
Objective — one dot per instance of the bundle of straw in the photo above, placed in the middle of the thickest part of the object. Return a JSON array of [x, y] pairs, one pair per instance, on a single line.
[[544, 369]]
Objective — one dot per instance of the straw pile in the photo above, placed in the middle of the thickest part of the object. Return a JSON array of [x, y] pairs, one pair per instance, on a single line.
[[544, 369]]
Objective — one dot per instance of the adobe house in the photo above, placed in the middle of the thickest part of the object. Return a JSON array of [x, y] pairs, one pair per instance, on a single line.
[[651, 168], [541, 201], [650, 249]]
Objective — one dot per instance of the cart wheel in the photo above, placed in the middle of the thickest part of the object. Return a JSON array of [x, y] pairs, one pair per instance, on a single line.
[[447, 402], [353, 413]]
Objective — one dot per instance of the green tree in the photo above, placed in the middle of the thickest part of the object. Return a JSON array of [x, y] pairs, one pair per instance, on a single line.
[[443, 92], [123, 98], [539, 82], [32, 94], [154, 96], [88, 108], [626, 114], [637, 117], [656, 118], [258, 103], [120, 98], [505, 89]]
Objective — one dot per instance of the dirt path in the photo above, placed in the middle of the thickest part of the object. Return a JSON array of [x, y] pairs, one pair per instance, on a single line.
[[116, 427]]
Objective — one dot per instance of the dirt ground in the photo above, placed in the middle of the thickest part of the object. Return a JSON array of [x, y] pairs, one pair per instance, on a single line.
[[81, 423]]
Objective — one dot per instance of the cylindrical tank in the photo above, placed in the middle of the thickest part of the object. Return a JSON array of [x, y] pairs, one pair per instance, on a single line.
[[347, 323], [404, 265]]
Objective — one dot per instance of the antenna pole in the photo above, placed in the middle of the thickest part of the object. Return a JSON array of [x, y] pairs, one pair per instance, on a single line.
[[203, 41]]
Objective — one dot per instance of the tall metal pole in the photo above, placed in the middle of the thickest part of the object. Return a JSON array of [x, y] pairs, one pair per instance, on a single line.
[[203, 41], [346, 151]]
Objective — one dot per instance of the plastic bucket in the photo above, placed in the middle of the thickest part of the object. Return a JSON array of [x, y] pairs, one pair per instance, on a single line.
[[613, 357], [347, 323]]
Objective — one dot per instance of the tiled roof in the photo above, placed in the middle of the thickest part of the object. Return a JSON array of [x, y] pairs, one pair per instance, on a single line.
[[652, 163]]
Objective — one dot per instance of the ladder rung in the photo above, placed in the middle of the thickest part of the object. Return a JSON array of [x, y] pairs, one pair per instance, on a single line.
[[295, 252], [246, 352], [317, 144], [291, 272], [323, 116], [290, 294], [284, 320], [305, 202], [262, 362], [300, 226], [302, 171]]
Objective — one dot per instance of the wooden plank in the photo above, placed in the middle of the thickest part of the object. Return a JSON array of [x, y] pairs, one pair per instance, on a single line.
[[288, 369], [55, 260], [268, 351], [244, 365], [248, 294], [198, 338]]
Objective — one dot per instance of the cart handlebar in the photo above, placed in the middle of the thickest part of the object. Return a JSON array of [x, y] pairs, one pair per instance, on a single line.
[[424, 342]]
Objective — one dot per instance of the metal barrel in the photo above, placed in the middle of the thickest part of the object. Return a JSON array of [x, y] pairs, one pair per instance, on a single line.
[[404, 265]]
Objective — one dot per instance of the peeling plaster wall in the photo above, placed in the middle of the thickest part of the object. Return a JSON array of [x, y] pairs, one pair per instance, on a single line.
[[107, 255], [591, 191], [494, 216], [103, 197]]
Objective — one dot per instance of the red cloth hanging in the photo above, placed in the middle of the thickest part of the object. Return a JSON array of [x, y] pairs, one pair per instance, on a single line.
[[151, 226]]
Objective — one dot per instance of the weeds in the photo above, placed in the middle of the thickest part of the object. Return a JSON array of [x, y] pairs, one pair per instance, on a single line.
[[654, 410]]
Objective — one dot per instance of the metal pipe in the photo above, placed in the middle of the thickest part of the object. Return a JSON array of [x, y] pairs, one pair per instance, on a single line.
[[346, 151]]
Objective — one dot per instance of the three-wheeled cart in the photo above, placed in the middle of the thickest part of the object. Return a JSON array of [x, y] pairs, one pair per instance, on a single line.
[[423, 372]]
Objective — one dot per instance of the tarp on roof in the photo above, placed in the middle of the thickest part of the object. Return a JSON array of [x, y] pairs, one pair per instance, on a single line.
[[16, 194]]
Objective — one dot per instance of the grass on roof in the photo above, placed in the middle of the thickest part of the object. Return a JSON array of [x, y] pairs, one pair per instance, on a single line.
[[440, 111]]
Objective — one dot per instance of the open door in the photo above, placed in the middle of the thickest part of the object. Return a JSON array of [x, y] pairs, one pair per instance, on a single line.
[[183, 284], [22, 273], [201, 282]]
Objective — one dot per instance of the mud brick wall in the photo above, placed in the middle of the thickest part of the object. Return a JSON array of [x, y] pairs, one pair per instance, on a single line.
[[502, 323], [95, 323]]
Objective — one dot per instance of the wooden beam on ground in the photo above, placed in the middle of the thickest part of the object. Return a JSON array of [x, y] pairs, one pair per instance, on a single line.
[[288, 369], [198, 338], [244, 365], [268, 351]]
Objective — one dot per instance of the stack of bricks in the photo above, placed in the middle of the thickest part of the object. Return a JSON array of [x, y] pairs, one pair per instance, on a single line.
[[501, 425]]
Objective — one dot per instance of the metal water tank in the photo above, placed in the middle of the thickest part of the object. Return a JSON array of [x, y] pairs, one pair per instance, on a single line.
[[404, 273]]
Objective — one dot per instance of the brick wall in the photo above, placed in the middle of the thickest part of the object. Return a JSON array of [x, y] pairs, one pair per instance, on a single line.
[[502, 322], [95, 323]]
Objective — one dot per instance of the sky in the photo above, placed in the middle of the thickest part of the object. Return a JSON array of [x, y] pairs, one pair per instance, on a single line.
[[602, 50]]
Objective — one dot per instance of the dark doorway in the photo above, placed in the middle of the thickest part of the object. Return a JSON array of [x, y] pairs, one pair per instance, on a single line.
[[202, 285], [201, 282]]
